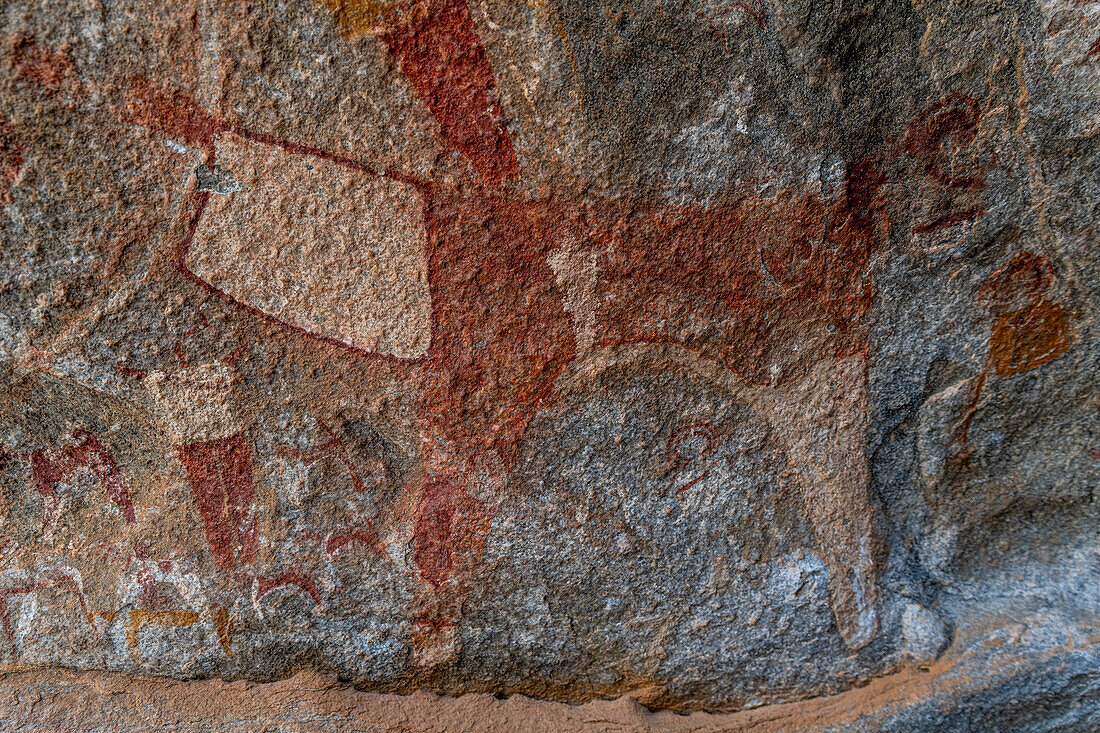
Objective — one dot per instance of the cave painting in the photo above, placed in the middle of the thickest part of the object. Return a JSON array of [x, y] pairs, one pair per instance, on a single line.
[[441, 55], [220, 472], [364, 533], [45, 70], [34, 62], [697, 440], [937, 136], [193, 404], [523, 293], [32, 581], [167, 594], [943, 145], [140, 617], [1028, 329], [359, 280], [53, 466]]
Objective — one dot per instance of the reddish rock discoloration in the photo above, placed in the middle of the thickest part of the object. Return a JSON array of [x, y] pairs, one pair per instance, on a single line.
[[220, 472], [170, 112], [37, 63], [442, 56]]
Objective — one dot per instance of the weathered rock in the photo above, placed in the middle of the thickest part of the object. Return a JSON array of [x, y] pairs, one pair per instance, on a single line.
[[717, 355], [924, 633]]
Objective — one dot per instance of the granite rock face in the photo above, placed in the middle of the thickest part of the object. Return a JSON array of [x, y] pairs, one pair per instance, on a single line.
[[719, 354]]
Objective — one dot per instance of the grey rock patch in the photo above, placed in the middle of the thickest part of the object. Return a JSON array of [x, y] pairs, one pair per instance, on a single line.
[[923, 633], [216, 179]]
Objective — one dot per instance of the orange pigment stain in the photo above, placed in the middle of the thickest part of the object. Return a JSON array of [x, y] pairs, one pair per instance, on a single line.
[[140, 617], [223, 626]]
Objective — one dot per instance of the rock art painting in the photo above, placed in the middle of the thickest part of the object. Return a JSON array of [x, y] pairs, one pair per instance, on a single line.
[[560, 349]]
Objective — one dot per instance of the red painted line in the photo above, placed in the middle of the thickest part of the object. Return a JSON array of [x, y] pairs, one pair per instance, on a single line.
[[946, 221], [368, 536], [269, 583], [691, 483], [296, 148], [699, 429]]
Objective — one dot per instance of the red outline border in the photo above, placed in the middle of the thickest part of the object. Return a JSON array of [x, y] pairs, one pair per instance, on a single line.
[[202, 198]]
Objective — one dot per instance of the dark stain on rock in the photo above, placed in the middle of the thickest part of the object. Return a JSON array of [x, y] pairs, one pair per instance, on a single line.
[[216, 179], [645, 68]]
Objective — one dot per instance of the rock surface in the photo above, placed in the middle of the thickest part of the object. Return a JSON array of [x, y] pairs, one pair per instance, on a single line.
[[723, 356]]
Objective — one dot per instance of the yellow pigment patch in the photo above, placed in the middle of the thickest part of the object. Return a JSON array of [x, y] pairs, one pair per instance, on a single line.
[[357, 18]]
